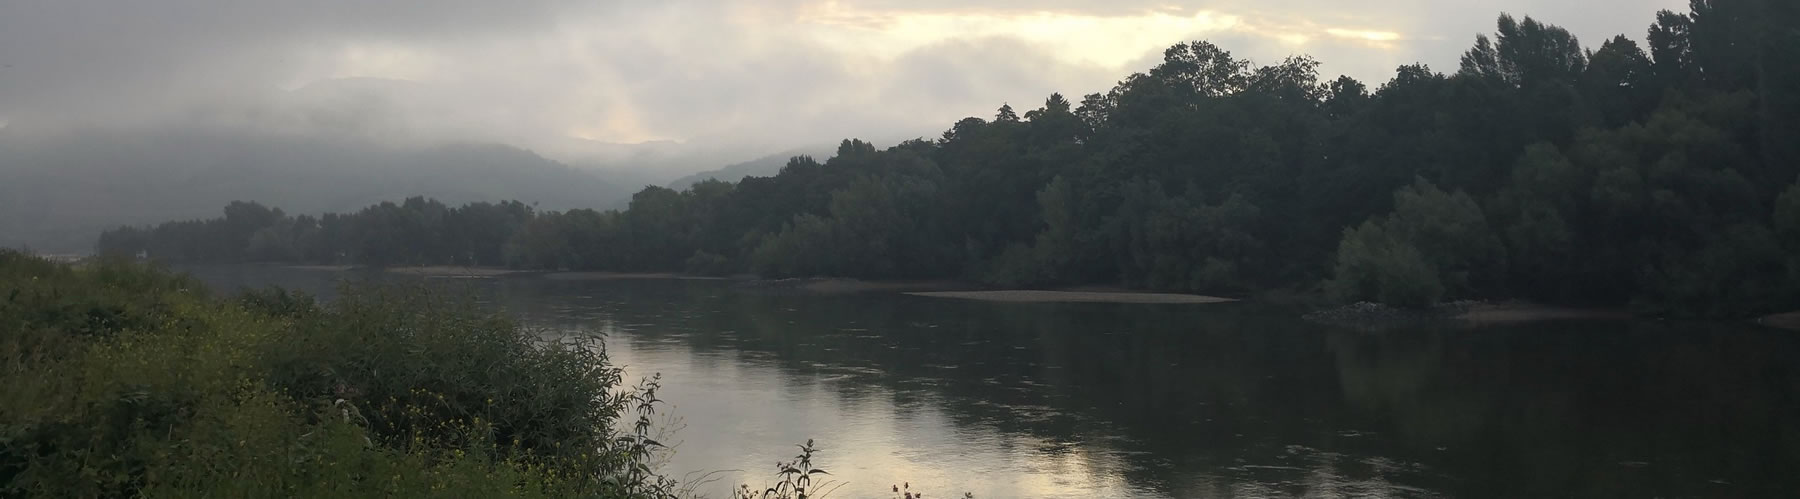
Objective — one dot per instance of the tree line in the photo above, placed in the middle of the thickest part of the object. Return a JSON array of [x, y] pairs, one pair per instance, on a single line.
[[1658, 175]]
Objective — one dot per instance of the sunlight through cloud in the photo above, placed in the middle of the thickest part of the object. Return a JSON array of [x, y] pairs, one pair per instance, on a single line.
[[1109, 41], [1368, 35]]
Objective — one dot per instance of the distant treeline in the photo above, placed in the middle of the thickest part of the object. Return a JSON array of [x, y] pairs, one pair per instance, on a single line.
[[1661, 179]]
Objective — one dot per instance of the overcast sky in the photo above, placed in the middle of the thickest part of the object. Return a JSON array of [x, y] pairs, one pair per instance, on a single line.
[[757, 74]]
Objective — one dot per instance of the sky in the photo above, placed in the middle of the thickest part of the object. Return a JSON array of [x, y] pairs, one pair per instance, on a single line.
[[562, 76]]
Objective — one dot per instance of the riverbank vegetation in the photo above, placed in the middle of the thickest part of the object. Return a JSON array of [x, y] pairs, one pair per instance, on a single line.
[[118, 380], [1658, 175]]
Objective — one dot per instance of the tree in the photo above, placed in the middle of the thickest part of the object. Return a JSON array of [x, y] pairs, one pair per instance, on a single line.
[[1619, 83], [1640, 172], [1345, 97], [1435, 245], [1202, 68], [1005, 114], [1536, 207], [1452, 232], [1671, 50], [1787, 229], [1374, 265]]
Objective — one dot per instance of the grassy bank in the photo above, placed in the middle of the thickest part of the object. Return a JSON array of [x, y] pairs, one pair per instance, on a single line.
[[121, 380]]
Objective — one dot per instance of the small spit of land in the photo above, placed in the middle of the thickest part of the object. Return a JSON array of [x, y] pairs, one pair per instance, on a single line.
[[453, 271], [1789, 320], [329, 268], [968, 291], [1525, 312], [1472, 312], [609, 276], [1378, 316], [836, 285], [1048, 296]]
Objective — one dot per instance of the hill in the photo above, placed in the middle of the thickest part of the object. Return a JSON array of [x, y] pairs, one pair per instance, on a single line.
[[58, 194], [766, 166]]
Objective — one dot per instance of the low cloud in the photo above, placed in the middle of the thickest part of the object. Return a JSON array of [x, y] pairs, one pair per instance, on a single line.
[[729, 75]]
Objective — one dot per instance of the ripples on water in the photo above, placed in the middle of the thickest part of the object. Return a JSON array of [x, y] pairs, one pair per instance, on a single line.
[[1222, 400]]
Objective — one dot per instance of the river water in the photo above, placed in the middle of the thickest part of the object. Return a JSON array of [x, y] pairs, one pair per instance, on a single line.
[[1218, 400]]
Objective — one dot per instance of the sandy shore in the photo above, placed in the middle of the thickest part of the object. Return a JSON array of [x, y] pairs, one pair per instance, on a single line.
[[1037, 296], [332, 268], [1527, 312], [858, 286], [1790, 320], [450, 271], [608, 276]]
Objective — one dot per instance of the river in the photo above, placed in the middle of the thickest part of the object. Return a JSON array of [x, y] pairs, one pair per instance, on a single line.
[[1218, 400]]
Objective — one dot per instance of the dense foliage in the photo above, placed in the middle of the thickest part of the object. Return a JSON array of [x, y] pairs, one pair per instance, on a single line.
[[1660, 176], [118, 380]]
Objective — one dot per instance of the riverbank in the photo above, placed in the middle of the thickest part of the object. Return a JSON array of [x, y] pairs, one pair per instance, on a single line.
[[327, 268], [1789, 321], [1507, 312], [613, 276], [1052, 296], [972, 291], [839, 285], [1366, 315], [160, 389], [1362, 314], [453, 271]]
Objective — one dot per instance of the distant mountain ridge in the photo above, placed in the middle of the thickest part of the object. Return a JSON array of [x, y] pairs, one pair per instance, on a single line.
[[57, 194]]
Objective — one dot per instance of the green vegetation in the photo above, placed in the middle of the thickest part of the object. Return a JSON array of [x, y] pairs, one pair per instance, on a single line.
[[1642, 175], [118, 380]]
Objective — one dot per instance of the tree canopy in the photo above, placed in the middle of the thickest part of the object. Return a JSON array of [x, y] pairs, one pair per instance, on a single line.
[[1658, 175]]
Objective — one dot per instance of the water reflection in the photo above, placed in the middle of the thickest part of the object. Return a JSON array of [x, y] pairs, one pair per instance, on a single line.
[[1095, 400]]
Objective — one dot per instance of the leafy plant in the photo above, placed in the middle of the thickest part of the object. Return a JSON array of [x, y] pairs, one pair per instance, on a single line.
[[795, 479]]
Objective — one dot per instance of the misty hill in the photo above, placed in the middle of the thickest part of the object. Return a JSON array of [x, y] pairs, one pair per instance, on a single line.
[[766, 166], [57, 194]]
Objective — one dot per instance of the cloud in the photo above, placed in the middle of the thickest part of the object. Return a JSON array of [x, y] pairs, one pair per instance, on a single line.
[[95, 57], [730, 74]]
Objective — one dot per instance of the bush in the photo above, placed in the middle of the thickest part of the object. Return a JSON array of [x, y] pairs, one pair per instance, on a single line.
[[1435, 245], [808, 246], [1018, 265], [1373, 265], [124, 380], [708, 264]]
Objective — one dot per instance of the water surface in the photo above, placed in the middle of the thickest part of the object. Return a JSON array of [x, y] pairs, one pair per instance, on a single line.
[[1215, 400]]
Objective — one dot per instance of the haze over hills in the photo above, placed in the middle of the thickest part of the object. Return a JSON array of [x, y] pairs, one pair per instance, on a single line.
[[336, 144], [766, 166], [771, 164], [57, 194], [406, 112]]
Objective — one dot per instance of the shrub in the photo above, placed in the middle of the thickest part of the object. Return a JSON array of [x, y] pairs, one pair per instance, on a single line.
[[125, 380], [1434, 244], [707, 264], [1373, 265]]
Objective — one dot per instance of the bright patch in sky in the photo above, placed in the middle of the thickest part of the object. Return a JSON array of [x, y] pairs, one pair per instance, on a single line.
[[1373, 36], [1109, 41], [601, 89], [386, 60], [760, 72]]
